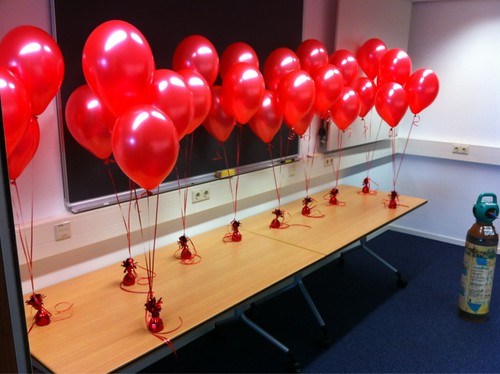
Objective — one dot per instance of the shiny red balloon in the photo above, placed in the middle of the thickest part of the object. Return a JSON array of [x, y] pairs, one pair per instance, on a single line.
[[279, 63], [170, 93], [24, 151], [302, 125], [346, 108], [198, 53], [296, 94], [145, 145], [329, 84], [347, 63], [391, 103], [89, 121], [422, 88], [394, 66], [219, 122], [16, 109], [202, 97], [34, 57], [366, 90], [369, 55], [267, 121], [312, 54], [235, 53], [242, 91], [118, 65]]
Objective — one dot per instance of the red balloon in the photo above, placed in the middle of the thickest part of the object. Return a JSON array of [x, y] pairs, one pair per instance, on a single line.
[[219, 122], [312, 54], [346, 108], [198, 53], [369, 55], [279, 63], [391, 103], [145, 145], [329, 84], [16, 109], [235, 53], [394, 66], [202, 97], [171, 94], [118, 65], [300, 127], [422, 88], [267, 121], [296, 95], [346, 62], [24, 151], [34, 57], [89, 122], [242, 91], [366, 90]]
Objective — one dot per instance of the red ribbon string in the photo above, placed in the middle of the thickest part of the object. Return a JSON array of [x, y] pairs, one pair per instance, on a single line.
[[397, 168], [233, 234], [309, 207], [186, 252]]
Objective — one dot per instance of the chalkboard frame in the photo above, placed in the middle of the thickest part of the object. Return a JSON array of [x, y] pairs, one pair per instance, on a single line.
[[263, 24]]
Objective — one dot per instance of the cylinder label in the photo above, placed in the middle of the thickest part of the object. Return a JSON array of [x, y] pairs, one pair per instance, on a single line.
[[477, 278]]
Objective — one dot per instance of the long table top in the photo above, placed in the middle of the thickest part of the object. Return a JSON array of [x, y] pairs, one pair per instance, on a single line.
[[107, 328], [330, 228]]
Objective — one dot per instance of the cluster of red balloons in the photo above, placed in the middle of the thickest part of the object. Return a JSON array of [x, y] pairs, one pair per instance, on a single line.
[[138, 113], [31, 73]]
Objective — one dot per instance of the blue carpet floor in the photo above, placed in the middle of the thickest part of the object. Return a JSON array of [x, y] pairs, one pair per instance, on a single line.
[[374, 326]]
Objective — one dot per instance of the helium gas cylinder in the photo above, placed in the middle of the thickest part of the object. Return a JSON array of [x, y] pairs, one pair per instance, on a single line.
[[479, 260]]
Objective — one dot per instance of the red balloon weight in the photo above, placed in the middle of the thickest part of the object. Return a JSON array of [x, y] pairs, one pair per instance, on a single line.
[[369, 55], [202, 97], [296, 95], [170, 93], [16, 110], [395, 66], [366, 90], [346, 62], [268, 119], [300, 127], [219, 122], [422, 88], [145, 145], [279, 63], [242, 91], [312, 54], [329, 84], [89, 122], [24, 151], [118, 65], [391, 103], [346, 108], [198, 53], [235, 53], [34, 57]]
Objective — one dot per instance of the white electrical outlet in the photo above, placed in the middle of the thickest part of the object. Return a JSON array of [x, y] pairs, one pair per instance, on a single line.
[[201, 194], [328, 162], [460, 149], [62, 230]]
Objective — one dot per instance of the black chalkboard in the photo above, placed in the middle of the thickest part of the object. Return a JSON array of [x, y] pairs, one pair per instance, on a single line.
[[263, 24]]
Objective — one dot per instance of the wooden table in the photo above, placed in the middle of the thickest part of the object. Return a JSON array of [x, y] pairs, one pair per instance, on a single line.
[[341, 225], [107, 329]]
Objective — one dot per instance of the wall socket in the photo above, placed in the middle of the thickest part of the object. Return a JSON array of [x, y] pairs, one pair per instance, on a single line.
[[62, 230], [460, 149], [328, 162], [200, 194]]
